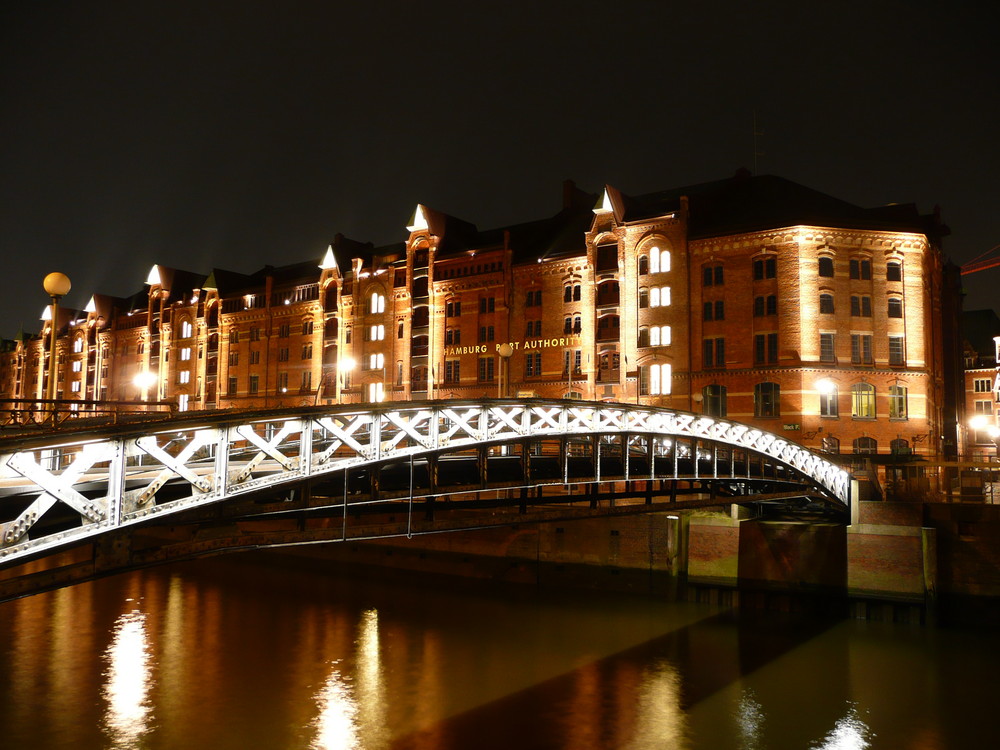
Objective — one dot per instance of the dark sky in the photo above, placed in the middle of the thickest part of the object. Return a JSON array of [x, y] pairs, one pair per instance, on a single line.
[[234, 134]]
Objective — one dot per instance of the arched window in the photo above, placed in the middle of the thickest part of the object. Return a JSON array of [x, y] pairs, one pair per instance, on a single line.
[[766, 400], [78, 345], [826, 304], [187, 330], [895, 307], [831, 444], [643, 265], [893, 271], [714, 400], [865, 445], [826, 267], [376, 303], [643, 298], [659, 260], [644, 336], [863, 400], [659, 296], [899, 446]]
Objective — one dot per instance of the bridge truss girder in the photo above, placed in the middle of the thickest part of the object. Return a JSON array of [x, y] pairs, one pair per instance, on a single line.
[[66, 491]]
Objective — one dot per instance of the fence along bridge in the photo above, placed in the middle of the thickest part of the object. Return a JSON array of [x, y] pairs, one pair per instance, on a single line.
[[78, 505]]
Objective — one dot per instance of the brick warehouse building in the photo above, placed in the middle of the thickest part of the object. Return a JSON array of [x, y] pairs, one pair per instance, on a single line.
[[753, 298]]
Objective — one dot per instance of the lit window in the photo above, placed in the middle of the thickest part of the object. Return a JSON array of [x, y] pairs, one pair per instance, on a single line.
[[187, 330], [376, 392], [78, 346], [77, 366], [376, 303], [659, 260], [186, 354], [75, 386], [182, 401], [184, 376], [376, 361], [660, 380], [659, 296], [863, 400], [377, 333]]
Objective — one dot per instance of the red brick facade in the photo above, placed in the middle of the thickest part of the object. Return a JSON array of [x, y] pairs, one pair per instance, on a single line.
[[751, 298]]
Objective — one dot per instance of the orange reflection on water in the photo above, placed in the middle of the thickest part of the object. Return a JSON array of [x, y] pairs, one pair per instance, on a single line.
[[129, 680]]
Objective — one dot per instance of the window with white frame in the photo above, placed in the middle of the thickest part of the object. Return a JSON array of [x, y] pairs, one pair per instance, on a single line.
[[659, 296], [77, 366], [660, 380], [182, 401], [982, 385], [659, 336], [659, 260]]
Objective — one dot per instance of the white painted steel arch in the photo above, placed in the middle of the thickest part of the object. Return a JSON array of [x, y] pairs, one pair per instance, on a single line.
[[106, 483]]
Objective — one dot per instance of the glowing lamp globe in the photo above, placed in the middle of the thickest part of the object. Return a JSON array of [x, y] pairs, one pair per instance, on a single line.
[[56, 284]]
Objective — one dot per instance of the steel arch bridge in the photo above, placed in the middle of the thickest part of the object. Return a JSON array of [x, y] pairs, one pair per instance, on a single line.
[[96, 488]]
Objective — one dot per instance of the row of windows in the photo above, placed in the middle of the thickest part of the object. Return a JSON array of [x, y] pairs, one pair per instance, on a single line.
[[767, 401], [234, 357], [765, 348], [253, 383]]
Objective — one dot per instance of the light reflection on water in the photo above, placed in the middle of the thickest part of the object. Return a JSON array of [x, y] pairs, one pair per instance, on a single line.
[[850, 733], [337, 721], [346, 715], [246, 655], [129, 681]]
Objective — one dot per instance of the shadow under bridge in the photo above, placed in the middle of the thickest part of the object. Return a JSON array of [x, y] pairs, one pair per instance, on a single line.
[[80, 505]]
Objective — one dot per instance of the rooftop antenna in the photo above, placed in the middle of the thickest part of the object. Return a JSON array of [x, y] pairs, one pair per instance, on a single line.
[[756, 133]]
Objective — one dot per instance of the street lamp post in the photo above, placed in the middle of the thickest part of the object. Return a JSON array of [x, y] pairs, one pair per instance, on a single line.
[[56, 285], [505, 351]]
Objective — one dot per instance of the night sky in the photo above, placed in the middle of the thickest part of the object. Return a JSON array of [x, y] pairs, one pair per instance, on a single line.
[[235, 134]]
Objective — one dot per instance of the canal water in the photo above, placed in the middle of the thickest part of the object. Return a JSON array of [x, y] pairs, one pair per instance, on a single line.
[[267, 652]]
